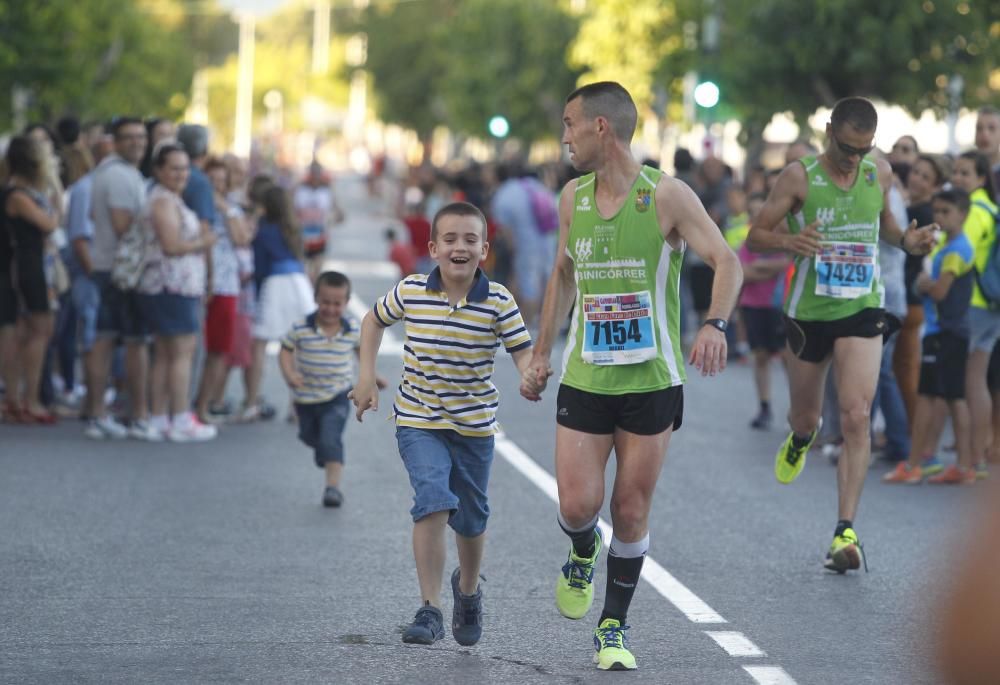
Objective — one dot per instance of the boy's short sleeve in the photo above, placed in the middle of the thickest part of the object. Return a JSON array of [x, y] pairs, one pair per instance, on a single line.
[[954, 263], [291, 339], [390, 308], [510, 325]]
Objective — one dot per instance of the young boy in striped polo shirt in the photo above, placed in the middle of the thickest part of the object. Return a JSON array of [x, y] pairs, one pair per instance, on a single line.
[[317, 361], [445, 407]]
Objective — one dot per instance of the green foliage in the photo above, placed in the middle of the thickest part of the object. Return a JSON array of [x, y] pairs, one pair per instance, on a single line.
[[788, 55], [96, 58], [456, 64]]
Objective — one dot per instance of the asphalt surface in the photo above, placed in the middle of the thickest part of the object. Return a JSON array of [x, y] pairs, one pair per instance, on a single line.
[[125, 562]]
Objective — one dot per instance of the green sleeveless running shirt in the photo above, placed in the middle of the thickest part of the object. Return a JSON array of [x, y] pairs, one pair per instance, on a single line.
[[625, 332], [844, 277]]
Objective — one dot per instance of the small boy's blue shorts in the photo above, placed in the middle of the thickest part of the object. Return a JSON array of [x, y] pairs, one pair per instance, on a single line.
[[321, 426], [448, 472]]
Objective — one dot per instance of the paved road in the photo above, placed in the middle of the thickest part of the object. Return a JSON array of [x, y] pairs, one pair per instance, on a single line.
[[126, 562]]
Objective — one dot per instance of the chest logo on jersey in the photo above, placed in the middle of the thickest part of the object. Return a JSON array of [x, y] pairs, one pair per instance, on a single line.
[[584, 249], [584, 204], [819, 180], [825, 215], [870, 177], [643, 200]]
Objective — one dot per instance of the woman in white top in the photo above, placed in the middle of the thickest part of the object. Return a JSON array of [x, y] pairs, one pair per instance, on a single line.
[[173, 286]]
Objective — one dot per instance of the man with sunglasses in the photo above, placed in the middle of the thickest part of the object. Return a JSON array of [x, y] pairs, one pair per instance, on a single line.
[[837, 208]]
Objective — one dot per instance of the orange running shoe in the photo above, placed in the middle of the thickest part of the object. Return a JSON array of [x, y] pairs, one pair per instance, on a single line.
[[904, 473], [954, 475]]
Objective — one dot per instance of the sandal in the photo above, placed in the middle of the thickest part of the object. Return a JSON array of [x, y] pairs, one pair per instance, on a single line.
[[11, 413]]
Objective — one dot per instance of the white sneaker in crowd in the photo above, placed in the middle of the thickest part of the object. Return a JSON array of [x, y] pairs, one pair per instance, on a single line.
[[105, 428], [142, 429], [190, 429]]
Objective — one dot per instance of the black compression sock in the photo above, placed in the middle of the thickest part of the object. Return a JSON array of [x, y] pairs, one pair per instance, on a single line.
[[798, 442], [583, 540], [623, 575]]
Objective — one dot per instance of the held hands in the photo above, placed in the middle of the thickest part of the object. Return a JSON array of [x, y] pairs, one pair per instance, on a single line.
[[805, 243], [365, 395], [708, 354], [534, 379], [919, 241]]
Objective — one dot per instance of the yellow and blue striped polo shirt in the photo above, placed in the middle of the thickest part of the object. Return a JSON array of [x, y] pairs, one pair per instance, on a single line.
[[326, 364], [449, 351]]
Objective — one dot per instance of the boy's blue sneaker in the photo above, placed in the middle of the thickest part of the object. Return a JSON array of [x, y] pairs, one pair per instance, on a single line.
[[467, 614], [332, 496], [427, 627]]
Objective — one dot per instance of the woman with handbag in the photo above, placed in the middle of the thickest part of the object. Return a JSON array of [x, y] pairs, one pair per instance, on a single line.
[[172, 287]]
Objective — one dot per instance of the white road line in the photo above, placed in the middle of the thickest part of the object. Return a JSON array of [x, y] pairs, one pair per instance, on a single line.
[[769, 675], [391, 345], [662, 581], [356, 267], [735, 643]]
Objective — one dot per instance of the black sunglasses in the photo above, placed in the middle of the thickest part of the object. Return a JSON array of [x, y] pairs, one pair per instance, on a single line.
[[850, 149]]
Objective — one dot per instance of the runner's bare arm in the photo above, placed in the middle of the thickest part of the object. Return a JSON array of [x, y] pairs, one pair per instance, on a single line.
[[559, 296], [680, 210], [913, 240], [768, 232]]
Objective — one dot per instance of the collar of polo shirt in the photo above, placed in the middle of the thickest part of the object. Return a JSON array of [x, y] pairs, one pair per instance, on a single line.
[[345, 325], [480, 286]]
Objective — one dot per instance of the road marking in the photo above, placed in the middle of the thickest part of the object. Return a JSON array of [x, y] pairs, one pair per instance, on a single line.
[[735, 643], [379, 268], [660, 578], [769, 675]]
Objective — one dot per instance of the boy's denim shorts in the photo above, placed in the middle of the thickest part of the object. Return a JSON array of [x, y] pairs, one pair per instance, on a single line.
[[448, 472], [321, 426]]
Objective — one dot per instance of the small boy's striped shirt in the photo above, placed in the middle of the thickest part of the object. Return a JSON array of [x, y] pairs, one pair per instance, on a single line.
[[449, 351], [326, 364]]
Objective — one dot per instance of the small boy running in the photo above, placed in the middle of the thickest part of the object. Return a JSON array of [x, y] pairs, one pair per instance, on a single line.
[[317, 362], [946, 291], [445, 408]]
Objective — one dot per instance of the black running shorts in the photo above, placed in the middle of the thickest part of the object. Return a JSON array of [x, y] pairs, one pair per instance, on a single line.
[[642, 413], [812, 341]]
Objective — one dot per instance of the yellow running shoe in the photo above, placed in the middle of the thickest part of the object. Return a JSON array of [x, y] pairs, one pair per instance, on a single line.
[[846, 553], [790, 461], [575, 584], [611, 647]]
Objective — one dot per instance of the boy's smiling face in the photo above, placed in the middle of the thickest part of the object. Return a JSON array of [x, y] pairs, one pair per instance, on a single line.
[[459, 246], [949, 217], [331, 301]]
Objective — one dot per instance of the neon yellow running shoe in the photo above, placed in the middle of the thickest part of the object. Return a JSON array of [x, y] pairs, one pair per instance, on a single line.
[[575, 584], [846, 553], [611, 647], [790, 461]]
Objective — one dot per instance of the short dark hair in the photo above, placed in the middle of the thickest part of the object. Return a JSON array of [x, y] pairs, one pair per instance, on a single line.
[[24, 158], [982, 163], [164, 149], [954, 196], [333, 279], [118, 123], [610, 100], [857, 111], [457, 209]]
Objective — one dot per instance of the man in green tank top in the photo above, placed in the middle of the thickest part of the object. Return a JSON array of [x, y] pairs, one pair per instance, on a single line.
[[837, 209], [623, 230]]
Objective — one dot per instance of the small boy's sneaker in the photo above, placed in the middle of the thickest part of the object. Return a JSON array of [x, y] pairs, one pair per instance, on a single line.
[[954, 475], [467, 614], [762, 421], [427, 627], [332, 496]]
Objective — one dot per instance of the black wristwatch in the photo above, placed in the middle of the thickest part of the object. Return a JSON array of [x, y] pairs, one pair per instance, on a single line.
[[720, 324]]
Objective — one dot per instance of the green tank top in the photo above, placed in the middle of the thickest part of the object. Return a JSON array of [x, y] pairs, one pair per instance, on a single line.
[[625, 332], [844, 277]]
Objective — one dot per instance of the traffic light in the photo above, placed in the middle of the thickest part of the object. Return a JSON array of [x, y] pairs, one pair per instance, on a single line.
[[706, 94]]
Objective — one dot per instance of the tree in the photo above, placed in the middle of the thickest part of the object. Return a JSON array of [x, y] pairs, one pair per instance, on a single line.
[[812, 54]]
